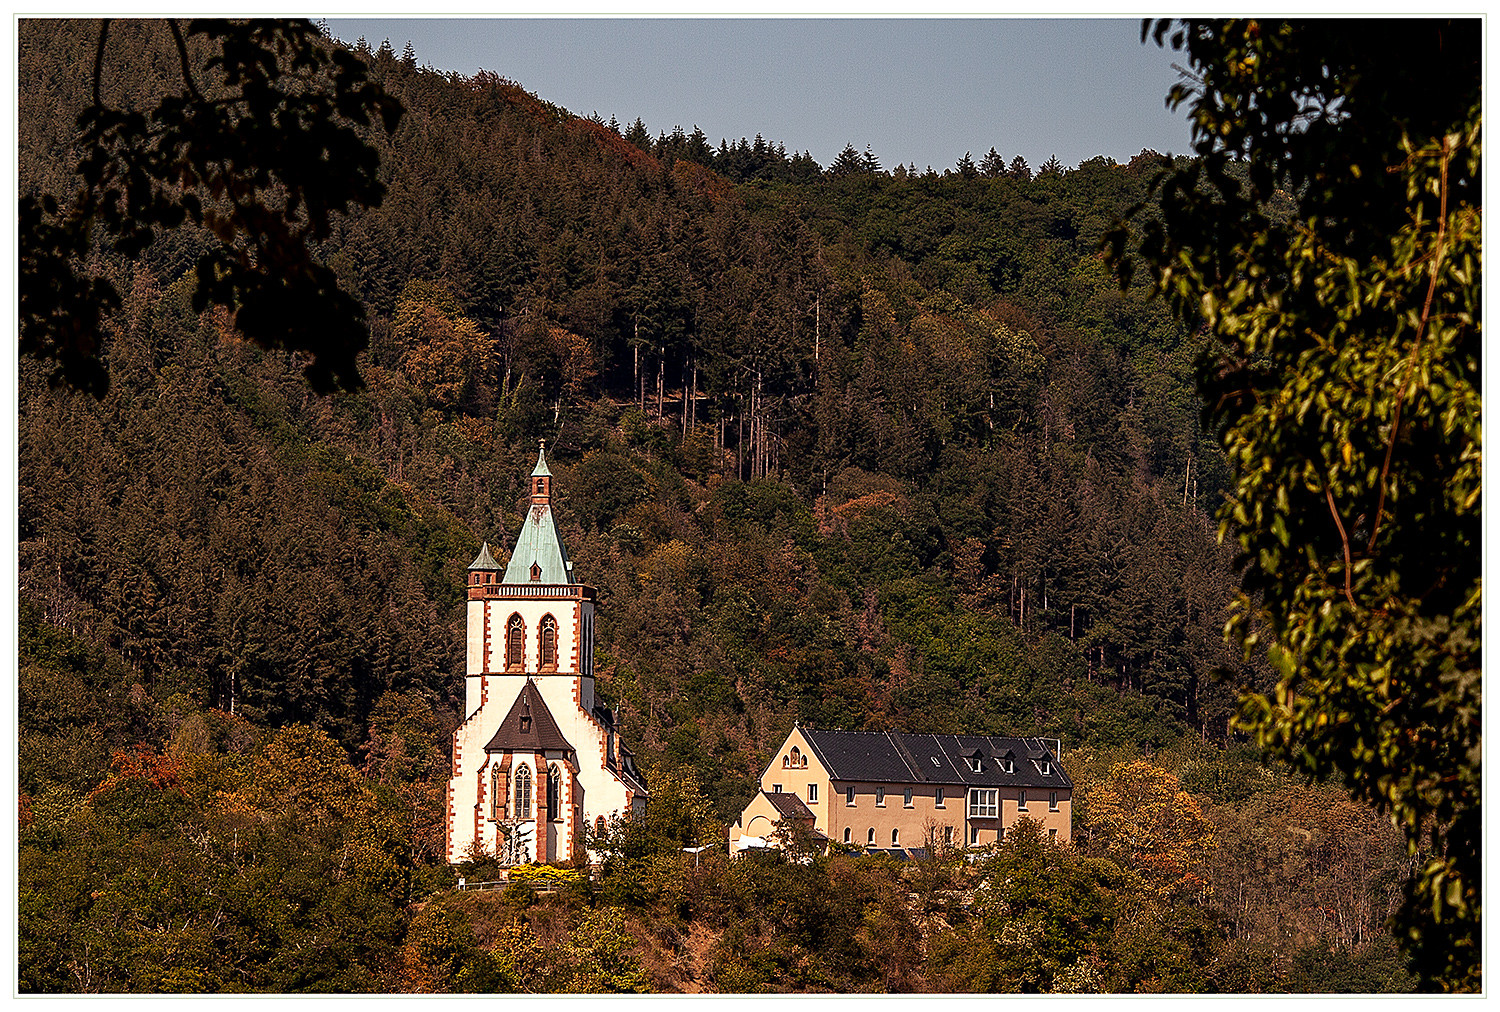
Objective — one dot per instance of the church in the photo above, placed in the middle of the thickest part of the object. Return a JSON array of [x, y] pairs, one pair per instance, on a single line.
[[536, 761]]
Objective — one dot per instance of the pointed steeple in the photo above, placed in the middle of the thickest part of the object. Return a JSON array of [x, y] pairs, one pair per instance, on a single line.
[[539, 556], [541, 477]]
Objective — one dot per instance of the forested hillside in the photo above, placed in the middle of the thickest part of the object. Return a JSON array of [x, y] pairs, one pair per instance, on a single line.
[[855, 447]]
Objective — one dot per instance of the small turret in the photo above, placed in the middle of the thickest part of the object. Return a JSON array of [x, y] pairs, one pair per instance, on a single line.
[[483, 571], [541, 477]]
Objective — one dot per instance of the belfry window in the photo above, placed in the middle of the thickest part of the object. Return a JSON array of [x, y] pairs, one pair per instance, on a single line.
[[549, 643], [515, 643], [523, 793]]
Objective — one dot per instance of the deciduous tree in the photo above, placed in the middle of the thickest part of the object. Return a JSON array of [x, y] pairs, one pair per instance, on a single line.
[[1328, 238]]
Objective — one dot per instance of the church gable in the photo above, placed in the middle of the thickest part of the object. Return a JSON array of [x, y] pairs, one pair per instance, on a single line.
[[529, 726]]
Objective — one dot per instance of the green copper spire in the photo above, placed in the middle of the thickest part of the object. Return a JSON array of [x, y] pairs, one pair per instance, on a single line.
[[541, 471], [484, 560], [539, 556]]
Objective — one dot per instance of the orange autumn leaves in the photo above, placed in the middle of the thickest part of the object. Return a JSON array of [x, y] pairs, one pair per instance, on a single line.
[[1141, 817]]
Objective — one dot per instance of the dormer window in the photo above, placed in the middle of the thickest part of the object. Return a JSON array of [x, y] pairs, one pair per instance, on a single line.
[[976, 764], [536, 573]]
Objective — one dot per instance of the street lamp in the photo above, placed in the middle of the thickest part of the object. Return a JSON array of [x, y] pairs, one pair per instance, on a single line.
[[695, 851]]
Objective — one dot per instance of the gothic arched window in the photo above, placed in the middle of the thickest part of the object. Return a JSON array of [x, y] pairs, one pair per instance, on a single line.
[[497, 788], [523, 793], [554, 793], [515, 643], [549, 643], [599, 825]]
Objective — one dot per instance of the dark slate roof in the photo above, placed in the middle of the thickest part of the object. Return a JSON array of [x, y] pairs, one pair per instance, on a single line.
[[897, 757], [789, 806], [529, 726]]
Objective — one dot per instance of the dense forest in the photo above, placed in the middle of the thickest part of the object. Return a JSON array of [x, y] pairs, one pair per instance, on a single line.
[[855, 447]]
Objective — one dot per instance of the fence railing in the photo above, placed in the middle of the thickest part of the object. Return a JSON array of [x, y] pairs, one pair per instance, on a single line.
[[550, 591]]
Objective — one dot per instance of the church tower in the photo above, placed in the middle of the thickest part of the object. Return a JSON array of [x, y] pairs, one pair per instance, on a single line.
[[535, 761]]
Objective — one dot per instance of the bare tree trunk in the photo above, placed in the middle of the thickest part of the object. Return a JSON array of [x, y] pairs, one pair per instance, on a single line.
[[661, 378], [817, 333]]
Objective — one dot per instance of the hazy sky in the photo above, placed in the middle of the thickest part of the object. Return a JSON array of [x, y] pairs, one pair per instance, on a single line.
[[915, 91]]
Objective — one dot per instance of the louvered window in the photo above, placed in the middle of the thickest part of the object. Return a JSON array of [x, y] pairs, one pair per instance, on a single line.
[[515, 643], [549, 643]]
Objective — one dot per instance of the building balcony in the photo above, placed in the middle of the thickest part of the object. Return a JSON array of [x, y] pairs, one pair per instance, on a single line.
[[537, 591]]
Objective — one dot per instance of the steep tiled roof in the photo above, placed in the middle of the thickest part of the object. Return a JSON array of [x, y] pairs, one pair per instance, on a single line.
[[529, 726], [789, 806], [896, 757]]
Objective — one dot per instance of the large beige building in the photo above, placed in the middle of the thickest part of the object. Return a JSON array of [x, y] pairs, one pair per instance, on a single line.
[[536, 760], [893, 791]]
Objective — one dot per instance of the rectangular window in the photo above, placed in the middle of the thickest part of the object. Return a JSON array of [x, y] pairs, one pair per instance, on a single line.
[[849, 796], [1052, 834], [880, 797], [906, 802], [984, 802], [947, 834], [812, 793], [939, 802], [775, 788], [1021, 805], [1052, 801]]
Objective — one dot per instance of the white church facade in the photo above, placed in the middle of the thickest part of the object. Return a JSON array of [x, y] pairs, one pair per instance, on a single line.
[[535, 761]]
